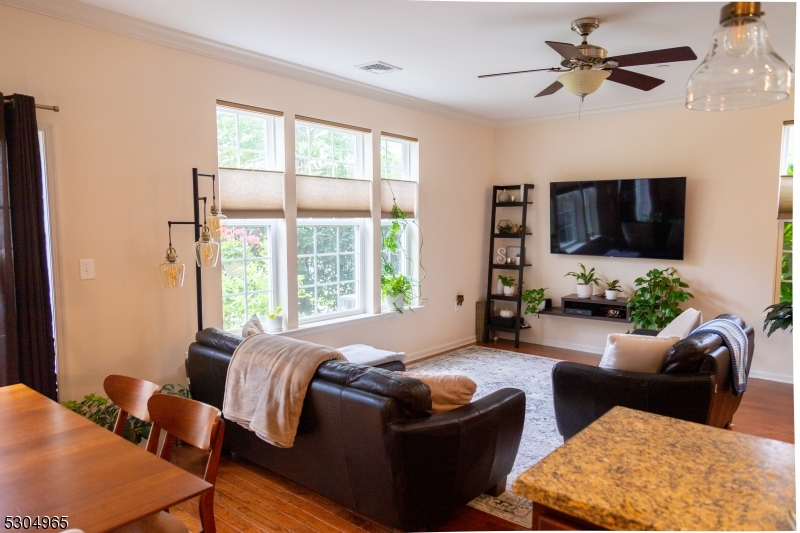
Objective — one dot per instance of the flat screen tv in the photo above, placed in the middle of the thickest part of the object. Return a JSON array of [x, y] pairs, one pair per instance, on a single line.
[[619, 218]]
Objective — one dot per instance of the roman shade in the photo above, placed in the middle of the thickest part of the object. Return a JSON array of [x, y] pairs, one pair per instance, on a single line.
[[321, 197], [785, 198], [403, 192], [251, 193]]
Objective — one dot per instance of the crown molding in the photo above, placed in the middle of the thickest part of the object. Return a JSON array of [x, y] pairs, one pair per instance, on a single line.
[[590, 113], [103, 19]]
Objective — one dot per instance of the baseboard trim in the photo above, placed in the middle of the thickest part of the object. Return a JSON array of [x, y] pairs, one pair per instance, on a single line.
[[415, 356], [565, 345], [771, 376]]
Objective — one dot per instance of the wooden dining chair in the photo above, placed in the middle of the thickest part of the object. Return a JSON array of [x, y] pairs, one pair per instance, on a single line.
[[130, 395]]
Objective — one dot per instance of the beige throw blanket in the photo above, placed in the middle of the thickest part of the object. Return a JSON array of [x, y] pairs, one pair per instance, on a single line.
[[266, 384]]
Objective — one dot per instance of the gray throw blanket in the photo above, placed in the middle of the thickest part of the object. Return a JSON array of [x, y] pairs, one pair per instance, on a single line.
[[266, 384], [735, 339]]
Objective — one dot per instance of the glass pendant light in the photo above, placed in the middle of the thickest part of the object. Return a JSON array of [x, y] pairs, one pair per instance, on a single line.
[[172, 270], [215, 219], [741, 69], [206, 250]]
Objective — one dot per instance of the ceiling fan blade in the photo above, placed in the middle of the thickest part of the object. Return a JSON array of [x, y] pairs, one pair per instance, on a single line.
[[634, 79], [518, 72], [567, 50], [667, 55], [550, 89]]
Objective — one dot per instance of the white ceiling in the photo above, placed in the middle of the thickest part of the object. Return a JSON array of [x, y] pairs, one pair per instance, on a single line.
[[443, 46]]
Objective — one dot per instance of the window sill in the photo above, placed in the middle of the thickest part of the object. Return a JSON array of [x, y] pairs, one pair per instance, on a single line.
[[336, 323]]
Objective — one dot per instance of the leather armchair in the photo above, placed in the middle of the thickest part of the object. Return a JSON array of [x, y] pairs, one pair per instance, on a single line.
[[584, 393], [367, 440]]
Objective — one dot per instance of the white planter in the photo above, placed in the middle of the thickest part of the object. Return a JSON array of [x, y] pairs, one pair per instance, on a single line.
[[393, 301], [611, 294], [585, 291], [508, 291], [274, 325], [541, 307]]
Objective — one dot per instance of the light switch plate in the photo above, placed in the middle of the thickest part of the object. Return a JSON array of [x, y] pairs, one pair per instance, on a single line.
[[87, 268]]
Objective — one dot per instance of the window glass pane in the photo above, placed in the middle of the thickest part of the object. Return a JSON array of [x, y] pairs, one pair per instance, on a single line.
[[788, 148], [344, 146], [246, 272], [257, 276], [786, 291], [321, 143], [301, 143], [245, 140], [232, 277], [226, 130], [257, 241], [328, 268], [227, 158], [394, 159], [324, 151], [258, 304], [233, 315], [230, 242], [252, 133], [786, 266], [787, 235]]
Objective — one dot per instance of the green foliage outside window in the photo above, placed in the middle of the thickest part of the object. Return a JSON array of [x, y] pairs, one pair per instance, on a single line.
[[321, 151], [326, 269], [246, 286], [242, 140], [786, 264], [393, 159]]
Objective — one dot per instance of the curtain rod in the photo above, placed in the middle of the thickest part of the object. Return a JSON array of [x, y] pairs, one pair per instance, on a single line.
[[38, 106]]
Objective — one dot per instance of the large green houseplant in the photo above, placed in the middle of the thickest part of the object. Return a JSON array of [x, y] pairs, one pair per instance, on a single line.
[[779, 316], [654, 302]]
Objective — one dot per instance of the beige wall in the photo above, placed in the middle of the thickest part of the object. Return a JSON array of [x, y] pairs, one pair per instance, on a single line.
[[135, 118], [731, 161]]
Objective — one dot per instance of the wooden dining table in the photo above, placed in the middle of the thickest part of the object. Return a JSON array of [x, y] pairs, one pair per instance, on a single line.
[[56, 463]]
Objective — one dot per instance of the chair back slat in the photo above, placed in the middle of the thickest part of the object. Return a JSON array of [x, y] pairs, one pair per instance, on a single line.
[[188, 420], [130, 395]]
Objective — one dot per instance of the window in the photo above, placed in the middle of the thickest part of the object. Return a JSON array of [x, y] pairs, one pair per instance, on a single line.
[[245, 140], [395, 159], [784, 282], [328, 151], [783, 278], [328, 268], [247, 274]]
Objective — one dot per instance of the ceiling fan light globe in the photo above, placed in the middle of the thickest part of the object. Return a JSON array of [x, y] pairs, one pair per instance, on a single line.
[[583, 82], [740, 71]]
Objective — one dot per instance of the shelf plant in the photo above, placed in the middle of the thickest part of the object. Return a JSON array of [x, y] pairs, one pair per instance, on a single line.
[[779, 316], [534, 299], [654, 302], [585, 281], [508, 284], [399, 289], [612, 289]]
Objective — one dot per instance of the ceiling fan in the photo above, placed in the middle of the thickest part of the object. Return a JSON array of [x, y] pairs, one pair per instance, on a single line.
[[586, 66]]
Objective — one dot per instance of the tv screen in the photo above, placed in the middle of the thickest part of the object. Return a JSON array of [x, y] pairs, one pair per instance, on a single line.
[[619, 218]]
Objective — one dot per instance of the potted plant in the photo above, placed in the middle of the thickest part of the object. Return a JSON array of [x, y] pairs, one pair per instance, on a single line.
[[654, 302], [585, 281], [508, 284], [779, 316], [612, 289], [534, 298], [275, 320], [396, 291]]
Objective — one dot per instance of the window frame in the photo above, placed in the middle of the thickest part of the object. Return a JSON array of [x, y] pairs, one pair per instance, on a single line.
[[270, 139], [360, 265], [359, 150], [407, 175], [271, 266]]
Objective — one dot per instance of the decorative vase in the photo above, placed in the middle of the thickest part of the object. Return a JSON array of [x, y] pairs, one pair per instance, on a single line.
[[508, 291], [584, 291], [611, 294], [274, 325], [395, 301], [499, 287], [503, 197]]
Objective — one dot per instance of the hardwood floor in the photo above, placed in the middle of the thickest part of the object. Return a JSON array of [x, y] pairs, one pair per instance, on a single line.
[[252, 499]]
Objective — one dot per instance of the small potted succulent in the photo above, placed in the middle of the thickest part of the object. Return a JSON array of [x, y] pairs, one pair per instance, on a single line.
[[508, 284], [274, 320], [612, 289], [585, 281], [534, 298]]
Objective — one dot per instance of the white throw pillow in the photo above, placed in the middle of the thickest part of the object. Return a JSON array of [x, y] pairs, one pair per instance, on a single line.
[[447, 391], [252, 327], [683, 324], [637, 353]]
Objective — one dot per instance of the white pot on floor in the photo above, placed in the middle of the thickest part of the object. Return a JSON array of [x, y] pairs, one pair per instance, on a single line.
[[393, 301], [274, 325], [585, 291]]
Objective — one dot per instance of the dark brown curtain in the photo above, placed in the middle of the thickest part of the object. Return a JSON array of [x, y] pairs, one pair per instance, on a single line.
[[28, 337]]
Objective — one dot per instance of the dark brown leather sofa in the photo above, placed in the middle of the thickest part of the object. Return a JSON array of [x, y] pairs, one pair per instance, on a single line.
[[367, 440], [693, 385]]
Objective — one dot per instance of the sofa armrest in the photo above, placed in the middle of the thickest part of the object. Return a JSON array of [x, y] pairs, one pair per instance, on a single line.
[[584, 393], [648, 332], [445, 459]]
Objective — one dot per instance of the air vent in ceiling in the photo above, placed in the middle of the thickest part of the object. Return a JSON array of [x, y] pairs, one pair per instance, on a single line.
[[378, 67]]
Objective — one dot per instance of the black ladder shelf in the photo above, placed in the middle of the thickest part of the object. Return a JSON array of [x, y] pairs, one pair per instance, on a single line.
[[524, 203]]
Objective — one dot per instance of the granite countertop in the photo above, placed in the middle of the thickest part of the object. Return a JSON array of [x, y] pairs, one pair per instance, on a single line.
[[635, 470]]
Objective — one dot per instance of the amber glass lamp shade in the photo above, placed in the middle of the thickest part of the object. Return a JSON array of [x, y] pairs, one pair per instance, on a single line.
[[206, 250], [172, 270], [215, 220]]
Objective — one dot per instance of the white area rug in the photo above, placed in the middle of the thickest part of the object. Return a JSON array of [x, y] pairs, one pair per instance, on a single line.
[[495, 369]]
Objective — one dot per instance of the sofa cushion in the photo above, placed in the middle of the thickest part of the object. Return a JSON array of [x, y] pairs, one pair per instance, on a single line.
[[252, 327], [410, 392], [218, 339], [636, 353], [682, 325], [686, 356], [448, 391]]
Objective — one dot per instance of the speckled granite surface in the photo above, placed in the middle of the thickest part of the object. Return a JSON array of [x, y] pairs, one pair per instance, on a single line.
[[635, 470]]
